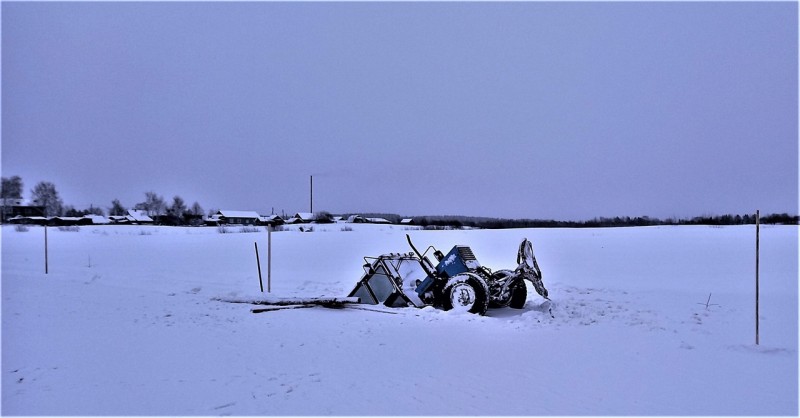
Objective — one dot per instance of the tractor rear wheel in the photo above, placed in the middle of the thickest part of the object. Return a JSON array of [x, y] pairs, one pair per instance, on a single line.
[[498, 299], [465, 293], [519, 295]]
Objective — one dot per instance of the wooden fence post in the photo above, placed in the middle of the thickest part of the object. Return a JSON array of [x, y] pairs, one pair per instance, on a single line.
[[258, 262]]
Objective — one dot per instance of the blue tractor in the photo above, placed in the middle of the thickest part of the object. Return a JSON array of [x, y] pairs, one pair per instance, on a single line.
[[458, 281]]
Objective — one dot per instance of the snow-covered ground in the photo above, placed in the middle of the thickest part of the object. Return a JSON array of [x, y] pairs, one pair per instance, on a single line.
[[128, 322]]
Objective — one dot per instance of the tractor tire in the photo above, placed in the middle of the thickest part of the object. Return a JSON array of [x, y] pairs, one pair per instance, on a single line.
[[495, 301], [466, 293], [519, 295]]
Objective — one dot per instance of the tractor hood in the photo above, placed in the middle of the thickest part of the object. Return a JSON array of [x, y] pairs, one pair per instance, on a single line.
[[459, 260]]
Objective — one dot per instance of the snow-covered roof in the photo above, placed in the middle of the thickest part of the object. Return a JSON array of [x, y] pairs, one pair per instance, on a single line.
[[378, 220], [33, 218], [239, 214], [359, 218], [97, 219], [306, 216], [135, 215], [407, 221]]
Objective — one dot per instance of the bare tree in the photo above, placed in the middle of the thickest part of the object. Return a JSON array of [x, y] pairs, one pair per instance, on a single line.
[[323, 217], [70, 210], [178, 207], [11, 189], [45, 194], [117, 209], [153, 204], [197, 210]]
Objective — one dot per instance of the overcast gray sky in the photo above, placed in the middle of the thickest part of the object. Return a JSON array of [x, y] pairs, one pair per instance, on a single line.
[[528, 110]]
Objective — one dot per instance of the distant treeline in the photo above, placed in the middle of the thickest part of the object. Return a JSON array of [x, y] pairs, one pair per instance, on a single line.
[[619, 221]]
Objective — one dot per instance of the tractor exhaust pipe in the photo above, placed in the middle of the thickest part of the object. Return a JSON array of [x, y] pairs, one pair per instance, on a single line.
[[408, 237], [426, 264]]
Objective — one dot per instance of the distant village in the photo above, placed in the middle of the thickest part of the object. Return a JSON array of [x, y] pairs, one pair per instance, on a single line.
[[19, 212]]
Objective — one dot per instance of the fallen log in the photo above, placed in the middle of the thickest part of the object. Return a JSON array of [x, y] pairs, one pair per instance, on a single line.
[[320, 301], [279, 308]]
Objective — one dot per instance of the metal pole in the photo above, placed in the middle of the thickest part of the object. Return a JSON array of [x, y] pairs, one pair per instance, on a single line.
[[269, 259], [312, 194], [45, 250], [758, 237], [260, 282]]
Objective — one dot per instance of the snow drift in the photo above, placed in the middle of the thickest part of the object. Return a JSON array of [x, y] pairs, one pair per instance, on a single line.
[[131, 321]]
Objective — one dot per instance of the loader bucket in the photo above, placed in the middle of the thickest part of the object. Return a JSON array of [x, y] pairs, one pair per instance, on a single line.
[[389, 280], [528, 268]]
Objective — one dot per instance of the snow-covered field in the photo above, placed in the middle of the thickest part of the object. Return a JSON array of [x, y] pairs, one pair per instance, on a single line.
[[127, 322]]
